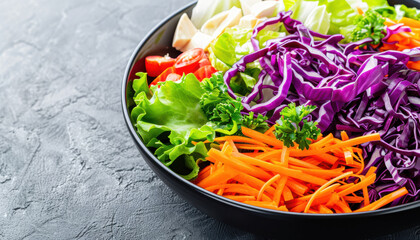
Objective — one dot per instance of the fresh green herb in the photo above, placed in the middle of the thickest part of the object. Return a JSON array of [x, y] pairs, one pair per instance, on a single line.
[[370, 25], [225, 112], [293, 128], [258, 123]]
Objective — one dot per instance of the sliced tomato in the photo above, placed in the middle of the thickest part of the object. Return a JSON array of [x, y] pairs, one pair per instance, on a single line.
[[204, 72], [173, 77], [162, 77], [188, 62], [204, 62], [155, 65]]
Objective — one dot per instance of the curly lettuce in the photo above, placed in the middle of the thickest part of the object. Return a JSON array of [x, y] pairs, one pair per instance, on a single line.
[[170, 120]]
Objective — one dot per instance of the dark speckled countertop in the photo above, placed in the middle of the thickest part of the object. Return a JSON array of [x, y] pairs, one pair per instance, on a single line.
[[68, 167]]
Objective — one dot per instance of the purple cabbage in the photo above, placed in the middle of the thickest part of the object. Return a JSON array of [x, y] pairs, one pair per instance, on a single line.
[[393, 110], [357, 90]]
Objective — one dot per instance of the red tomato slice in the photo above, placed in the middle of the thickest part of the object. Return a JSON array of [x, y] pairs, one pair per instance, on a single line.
[[162, 77], [173, 77], [188, 62], [204, 72], [155, 65], [204, 62]]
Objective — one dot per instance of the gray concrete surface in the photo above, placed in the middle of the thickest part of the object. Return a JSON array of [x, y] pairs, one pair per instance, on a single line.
[[68, 167]]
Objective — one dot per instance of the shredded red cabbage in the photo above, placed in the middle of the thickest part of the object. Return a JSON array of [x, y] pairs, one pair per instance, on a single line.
[[357, 90], [393, 110]]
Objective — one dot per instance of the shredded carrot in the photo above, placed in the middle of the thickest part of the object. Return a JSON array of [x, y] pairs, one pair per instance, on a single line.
[[404, 40], [353, 199], [410, 22], [287, 194], [258, 170], [279, 190], [324, 209], [261, 137], [241, 198], [268, 183], [384, 200], [270, 130], [344, 175]]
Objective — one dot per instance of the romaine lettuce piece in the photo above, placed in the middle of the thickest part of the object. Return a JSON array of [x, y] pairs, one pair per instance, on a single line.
[[313, 15]]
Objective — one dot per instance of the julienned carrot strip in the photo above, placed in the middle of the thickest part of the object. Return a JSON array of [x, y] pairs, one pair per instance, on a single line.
[[343, 207], [231, 144], [343, 144], [344, 187], [270, 155], [304, 200], [364, 183], [344, 175], [238, 188], [241, 198], [287, 194], [333, 200], [220, 191], [353, 199], [322, 142], [269, 177], [270, 130], [253, 147], [414, 65], [362, 162], [238, 164], [410, 22], [267, 184], [323, 173], [366, 195], [280, 169], [371, 171], [328, 158], [261, 137], [318, 201], [253, 182], [205, 172], [313, 161], [240, 139], [384, 200], [219, 176], [285, 156], [297, 187], [299, 163], [279, 190], [324, 209], [344, 136]]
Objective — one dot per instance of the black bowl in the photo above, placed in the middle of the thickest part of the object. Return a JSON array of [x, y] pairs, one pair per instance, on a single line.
[[254, 219]]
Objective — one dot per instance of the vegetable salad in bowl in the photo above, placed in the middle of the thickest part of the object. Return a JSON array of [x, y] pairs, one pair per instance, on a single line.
[[300, 106]]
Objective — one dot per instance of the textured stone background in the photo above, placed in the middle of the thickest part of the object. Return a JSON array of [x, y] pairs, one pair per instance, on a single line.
[[68, 167]]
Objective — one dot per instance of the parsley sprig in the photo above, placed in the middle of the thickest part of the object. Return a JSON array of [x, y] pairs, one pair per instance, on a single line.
[[224, 111], [293, 128], [369, 25]]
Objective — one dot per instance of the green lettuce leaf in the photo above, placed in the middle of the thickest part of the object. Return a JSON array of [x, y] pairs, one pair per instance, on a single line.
[[232, 45], [229, 48], [264, 35], [170, 120], [313, 14]]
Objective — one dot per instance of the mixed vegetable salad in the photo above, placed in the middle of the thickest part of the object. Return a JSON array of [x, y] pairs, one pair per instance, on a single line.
[[293, 105]]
